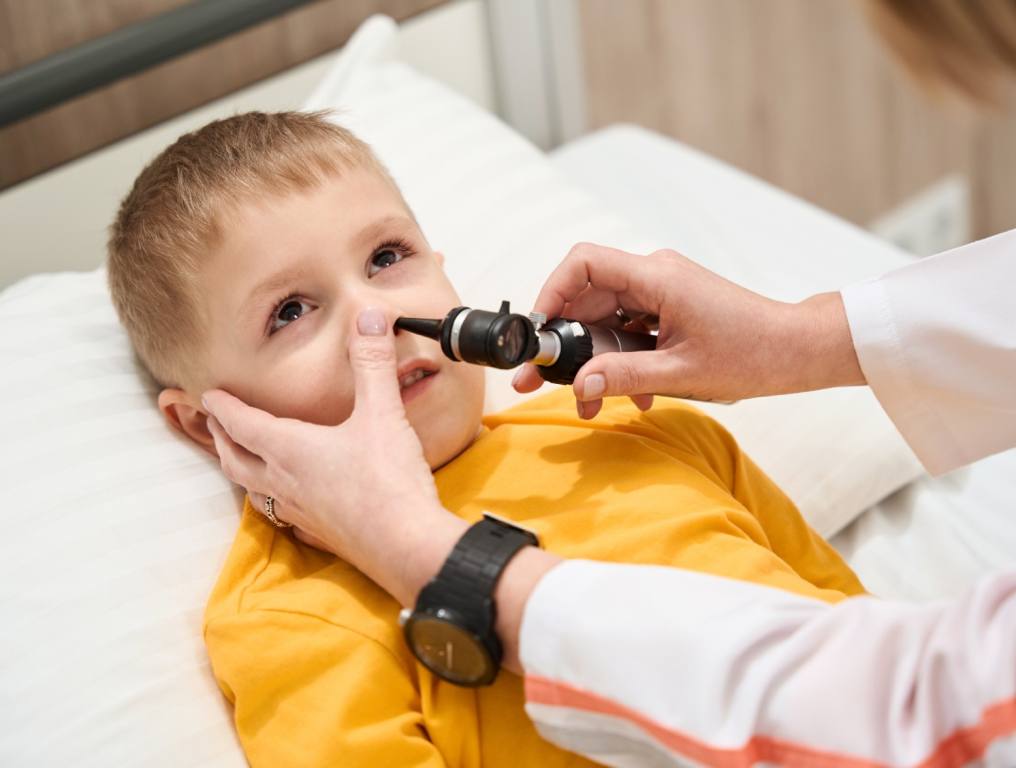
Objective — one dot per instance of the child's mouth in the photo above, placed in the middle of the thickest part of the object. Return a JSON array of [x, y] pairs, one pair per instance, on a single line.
[[415, 383]]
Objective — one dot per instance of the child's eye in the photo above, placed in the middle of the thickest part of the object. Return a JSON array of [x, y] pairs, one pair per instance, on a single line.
[[286, 312], [383, 258]]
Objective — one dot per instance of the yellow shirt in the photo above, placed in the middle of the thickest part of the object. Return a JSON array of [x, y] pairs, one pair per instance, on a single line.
[[309, 651]]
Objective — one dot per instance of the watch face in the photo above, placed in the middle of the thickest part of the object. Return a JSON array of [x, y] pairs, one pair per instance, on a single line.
[[450, 651]]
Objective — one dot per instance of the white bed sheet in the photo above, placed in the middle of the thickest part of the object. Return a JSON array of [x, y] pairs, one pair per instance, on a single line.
[[935, 536]]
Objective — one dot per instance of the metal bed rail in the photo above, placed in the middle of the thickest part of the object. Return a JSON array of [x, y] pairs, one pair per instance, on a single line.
[[75, 71]]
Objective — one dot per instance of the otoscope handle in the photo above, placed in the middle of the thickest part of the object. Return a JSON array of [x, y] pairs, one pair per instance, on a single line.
[[609, 340], [576, 343]]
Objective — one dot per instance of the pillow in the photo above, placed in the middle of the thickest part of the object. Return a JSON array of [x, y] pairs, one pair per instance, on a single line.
[[115, 527], [114, 532]]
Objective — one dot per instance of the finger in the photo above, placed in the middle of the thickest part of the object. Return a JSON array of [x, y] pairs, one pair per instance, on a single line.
[[630, 373], [238, 464], [374, 362], [257, 500], [311, 540], [597, 308], [642, 402], [607, 269], [589, 409], [528, 379], [590, 303], [648, 322], [251, 428], [638, 326]]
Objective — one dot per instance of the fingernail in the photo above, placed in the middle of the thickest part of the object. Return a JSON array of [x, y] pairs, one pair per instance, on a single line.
[[593, 386], [204, 402], [371, 322], [516, 377], [578, 409]]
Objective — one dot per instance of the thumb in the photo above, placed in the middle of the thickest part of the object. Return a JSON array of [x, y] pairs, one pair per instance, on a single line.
[[374, 362], [651, 372]]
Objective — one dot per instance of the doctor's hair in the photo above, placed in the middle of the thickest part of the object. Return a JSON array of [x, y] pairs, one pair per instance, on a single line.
[[963, 47], [173, 218]]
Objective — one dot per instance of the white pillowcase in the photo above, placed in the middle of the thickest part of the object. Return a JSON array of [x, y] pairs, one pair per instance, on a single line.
[[114, 532], [115, 527]]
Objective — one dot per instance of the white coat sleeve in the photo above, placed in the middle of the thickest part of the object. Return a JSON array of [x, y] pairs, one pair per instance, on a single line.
[[651, 666], [937, 343]]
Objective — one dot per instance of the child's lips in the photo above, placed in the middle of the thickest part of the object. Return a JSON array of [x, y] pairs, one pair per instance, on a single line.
[[418, 388]]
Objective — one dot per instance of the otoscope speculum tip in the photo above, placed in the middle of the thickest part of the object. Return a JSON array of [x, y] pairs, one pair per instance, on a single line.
[[421, 326]]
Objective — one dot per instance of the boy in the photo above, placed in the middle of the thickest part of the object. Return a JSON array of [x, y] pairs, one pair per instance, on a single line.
[[237, 261]]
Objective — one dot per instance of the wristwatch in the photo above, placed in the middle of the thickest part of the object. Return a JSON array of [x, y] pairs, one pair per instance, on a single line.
[[451, 629]]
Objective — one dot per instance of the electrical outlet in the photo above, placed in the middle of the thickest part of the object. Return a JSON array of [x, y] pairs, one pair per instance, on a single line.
[[932, 221]]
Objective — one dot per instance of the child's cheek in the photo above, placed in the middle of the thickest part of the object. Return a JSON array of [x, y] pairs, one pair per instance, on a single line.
[[319, 396]]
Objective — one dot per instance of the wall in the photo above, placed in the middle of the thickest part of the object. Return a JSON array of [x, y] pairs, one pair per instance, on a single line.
[[31, 30], [799, 92]]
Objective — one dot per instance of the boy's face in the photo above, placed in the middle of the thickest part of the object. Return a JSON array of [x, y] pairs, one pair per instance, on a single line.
[[282, 293]]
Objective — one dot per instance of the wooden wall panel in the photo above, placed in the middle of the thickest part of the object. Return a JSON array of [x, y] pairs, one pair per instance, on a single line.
[[31, 30], [994, 171], [799, 92]]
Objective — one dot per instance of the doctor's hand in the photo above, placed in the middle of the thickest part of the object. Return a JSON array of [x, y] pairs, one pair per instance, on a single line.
[[717, 340], [362, 489]]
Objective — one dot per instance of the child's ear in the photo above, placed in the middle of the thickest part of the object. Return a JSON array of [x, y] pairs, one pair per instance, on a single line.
[[183, 413]]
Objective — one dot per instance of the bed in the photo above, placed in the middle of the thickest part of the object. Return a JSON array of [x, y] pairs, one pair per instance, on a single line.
[[116, 528]]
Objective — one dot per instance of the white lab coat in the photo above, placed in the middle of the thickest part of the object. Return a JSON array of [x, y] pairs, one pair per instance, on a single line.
[[651, 666]]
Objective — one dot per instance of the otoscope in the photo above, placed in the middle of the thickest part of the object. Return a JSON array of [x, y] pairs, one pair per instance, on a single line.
[[504, 339]]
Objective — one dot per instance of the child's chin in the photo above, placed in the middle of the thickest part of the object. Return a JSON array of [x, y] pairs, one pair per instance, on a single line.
[[440, 452], [447, 418]]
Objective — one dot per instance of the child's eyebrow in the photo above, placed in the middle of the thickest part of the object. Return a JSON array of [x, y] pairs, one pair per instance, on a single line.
[[375, 230], [271, 284], [279, 280]]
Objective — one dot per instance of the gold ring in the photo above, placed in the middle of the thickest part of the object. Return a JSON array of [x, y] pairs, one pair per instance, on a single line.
[[270, 514]]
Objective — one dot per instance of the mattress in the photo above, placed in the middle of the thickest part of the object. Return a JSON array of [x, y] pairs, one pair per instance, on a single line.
[[932, 538]]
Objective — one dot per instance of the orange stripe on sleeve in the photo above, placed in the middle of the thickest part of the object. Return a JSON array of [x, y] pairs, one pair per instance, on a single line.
[[959, 748]]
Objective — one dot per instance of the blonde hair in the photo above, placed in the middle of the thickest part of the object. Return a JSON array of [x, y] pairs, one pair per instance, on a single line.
[[963, 46], [171, 219]]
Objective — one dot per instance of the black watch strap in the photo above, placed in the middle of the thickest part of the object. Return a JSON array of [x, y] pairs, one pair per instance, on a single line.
[[470, 573]]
